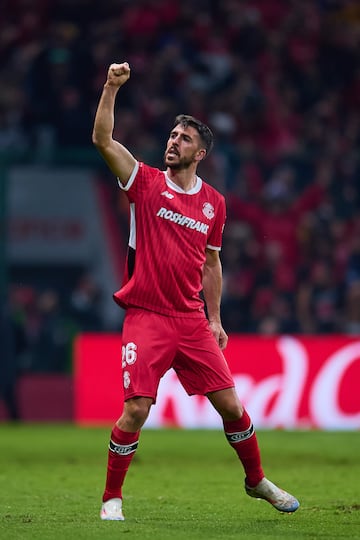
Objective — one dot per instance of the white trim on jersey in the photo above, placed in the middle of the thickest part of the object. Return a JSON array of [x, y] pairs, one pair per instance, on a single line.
[[129, 183], [132, 234], [178, 189], [214, 248]]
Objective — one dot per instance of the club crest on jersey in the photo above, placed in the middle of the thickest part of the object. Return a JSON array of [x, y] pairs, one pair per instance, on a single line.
[[208, 210], [126, 377]]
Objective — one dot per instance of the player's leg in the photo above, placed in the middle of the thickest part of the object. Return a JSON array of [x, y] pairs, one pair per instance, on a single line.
[[202, 369], [123, 444], [239, 432], [147, 354], [122, 447], [241, 435]]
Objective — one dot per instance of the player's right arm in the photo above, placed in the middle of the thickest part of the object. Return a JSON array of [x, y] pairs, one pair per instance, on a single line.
[[120, 161]]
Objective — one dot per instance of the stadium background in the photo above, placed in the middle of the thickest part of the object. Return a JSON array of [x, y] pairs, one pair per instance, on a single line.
[[278, 82]]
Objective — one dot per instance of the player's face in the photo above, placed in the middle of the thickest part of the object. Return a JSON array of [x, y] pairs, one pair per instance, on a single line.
[[183, 148]]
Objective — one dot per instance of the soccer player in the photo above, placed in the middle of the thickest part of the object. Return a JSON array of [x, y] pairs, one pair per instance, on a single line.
[[176, 225]]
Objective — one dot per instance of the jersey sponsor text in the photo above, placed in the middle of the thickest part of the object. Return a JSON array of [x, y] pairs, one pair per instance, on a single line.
[[182, 220]]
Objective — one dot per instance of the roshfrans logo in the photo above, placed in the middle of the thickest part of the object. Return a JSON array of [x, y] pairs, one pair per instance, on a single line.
[[182, 220]]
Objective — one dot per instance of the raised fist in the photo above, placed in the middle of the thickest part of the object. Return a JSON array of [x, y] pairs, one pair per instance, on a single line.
[[118, 74]]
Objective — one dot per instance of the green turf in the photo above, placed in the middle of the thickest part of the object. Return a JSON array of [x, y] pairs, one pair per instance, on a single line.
[[182, 485]]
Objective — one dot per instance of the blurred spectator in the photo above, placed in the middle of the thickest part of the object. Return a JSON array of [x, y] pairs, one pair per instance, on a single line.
[[352, 272], [239, 257], [51, 336], [46, 330], [84, 305], [12, 345], [319, 301], [352, 308]]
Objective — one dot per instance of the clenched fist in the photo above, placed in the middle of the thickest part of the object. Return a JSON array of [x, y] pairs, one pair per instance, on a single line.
[[118, 74]]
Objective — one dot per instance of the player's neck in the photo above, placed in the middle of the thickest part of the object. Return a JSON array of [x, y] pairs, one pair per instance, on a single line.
[[185, 178]]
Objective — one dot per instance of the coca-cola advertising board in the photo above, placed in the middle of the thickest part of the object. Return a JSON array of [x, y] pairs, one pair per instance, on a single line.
[[287, 382]]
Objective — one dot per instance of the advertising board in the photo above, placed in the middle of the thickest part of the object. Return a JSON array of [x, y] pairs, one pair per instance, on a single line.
[[285, 382]]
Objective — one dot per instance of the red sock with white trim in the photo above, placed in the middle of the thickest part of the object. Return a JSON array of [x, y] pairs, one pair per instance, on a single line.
[[241, 436], [122, 448]]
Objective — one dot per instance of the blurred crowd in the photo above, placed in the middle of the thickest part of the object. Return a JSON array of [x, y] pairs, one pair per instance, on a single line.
[[45, 323], [278, 82]]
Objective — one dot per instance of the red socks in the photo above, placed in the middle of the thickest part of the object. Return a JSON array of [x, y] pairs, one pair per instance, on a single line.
[[241, 436], [122, 448]]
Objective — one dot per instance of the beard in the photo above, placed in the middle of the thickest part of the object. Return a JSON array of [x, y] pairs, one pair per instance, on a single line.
[[180, 164]]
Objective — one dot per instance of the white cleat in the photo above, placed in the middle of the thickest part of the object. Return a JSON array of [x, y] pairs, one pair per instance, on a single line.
[[280, 499], [111, 510]]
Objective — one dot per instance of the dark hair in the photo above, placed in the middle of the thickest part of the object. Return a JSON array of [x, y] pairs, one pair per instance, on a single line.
[[206, 135]]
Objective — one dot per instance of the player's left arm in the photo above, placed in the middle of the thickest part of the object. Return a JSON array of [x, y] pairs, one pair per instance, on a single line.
[[212, 287]]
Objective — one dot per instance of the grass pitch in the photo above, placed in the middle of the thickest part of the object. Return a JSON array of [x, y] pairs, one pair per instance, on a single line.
[[181, 485]]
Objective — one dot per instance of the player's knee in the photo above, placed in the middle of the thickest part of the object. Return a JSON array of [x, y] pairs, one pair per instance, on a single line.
[[232, 413], [136, 412], [227, 403]]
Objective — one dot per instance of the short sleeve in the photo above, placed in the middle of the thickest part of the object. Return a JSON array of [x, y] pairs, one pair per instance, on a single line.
[[214, 240]]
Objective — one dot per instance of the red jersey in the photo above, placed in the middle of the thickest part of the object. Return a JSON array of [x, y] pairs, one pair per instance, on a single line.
[[170, 230]]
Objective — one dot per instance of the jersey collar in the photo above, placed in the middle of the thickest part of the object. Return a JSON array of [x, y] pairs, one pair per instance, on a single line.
[[178, 189]]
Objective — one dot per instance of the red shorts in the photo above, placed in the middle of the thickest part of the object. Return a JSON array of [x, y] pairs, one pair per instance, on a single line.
[[153, 343]]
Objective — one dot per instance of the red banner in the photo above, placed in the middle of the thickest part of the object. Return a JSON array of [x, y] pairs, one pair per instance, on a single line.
[[284, 382]]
